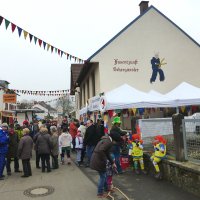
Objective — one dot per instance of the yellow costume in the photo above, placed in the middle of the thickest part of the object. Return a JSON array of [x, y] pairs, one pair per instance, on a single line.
[[159, 154], [137, 153]]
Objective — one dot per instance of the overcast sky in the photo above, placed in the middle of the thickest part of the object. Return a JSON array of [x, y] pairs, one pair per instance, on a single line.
[[79, 27]]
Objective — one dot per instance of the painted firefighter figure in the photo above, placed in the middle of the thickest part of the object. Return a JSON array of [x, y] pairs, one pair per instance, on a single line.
[[156, 68]]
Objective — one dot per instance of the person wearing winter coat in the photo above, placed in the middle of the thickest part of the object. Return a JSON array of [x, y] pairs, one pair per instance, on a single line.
[[78, 147], [55, 147], [90, 140], [44, 146], [25, 152], [4, 140], [12, 150], [18, 131], [65, 141], [82, 129], [117, 134], [101, 154], [73, 130], [100, 128]]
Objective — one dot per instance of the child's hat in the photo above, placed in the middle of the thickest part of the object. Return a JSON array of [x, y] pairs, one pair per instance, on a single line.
[[161, 139], [136, 136], [116, 120]]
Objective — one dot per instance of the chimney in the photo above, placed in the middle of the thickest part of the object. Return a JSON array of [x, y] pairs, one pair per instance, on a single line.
[[143, 6]]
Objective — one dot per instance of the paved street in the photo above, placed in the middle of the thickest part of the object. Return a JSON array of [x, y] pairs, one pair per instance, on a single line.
[[68, 181], [73, 183], [144, 187]]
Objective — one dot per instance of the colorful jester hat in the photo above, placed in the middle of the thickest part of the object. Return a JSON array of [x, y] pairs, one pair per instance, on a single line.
[[161, 139]]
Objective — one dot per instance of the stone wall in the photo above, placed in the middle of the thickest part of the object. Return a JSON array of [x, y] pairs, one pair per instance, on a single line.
[[185, 175]]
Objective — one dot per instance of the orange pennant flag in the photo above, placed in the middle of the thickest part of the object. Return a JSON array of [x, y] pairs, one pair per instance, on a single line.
[[25, 34]]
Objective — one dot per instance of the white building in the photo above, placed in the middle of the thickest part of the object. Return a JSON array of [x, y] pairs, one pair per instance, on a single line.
[[48, 110], [6, 109], [127, 58]]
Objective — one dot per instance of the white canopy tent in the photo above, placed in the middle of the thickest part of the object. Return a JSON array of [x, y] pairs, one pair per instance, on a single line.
[[83, 111], [126, 96], [155, 93], [184, 94]]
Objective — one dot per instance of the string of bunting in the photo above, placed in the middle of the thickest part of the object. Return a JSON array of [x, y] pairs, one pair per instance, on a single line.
[[40, 93], [38, 41], [57, 99]]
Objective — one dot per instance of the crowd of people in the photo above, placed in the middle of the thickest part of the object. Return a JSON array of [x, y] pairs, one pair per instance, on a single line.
[[94, 148], [49, 142]]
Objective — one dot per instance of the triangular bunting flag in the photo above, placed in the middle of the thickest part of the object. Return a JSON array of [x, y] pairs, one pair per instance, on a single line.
[[7, 23], [40, 42], [35, 39], [56, 50], [13, 27], [25, 34], [19, 31], [44, 44], [1, 19], [134, 110], [52, 49], [183, 109], [30, 37], [61, 53], [48, 46], [67, 56]]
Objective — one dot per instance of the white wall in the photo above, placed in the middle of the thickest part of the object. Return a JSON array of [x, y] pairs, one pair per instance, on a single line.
[[21, 117], [150, 34]]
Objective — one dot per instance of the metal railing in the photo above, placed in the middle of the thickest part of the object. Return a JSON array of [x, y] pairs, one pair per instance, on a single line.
[[191, 134]]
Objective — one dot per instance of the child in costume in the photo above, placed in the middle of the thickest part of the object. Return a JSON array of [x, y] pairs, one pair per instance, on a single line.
[[137, 153], [159, 154], [110, 171]]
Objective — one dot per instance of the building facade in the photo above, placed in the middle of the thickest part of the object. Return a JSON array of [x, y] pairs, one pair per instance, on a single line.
[[6, 109], [150, 53]]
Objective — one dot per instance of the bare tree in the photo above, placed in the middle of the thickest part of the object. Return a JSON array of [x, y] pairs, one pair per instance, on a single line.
[[65, 105]]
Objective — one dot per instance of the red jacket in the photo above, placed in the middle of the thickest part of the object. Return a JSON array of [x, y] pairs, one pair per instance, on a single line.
[[73, 130]]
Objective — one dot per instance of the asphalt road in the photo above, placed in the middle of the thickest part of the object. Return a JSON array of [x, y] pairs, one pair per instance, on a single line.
[[143, 187]]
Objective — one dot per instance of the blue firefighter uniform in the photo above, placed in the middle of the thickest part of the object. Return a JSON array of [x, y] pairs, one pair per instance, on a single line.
[[155, 62], [4, 140]]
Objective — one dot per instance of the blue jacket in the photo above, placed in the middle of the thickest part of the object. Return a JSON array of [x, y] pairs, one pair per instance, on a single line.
[[4, 140]]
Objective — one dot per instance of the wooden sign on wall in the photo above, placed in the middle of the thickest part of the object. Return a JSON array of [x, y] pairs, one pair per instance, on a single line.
[[9, 98]]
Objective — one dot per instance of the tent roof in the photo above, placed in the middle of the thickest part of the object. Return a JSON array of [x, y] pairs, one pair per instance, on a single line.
[[126, 96], [155, 93], [185, 94]]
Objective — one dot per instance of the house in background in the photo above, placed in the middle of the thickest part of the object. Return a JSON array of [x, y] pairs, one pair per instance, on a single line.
[[6, 109], [130, 57], [26, 114], [47, 110]]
